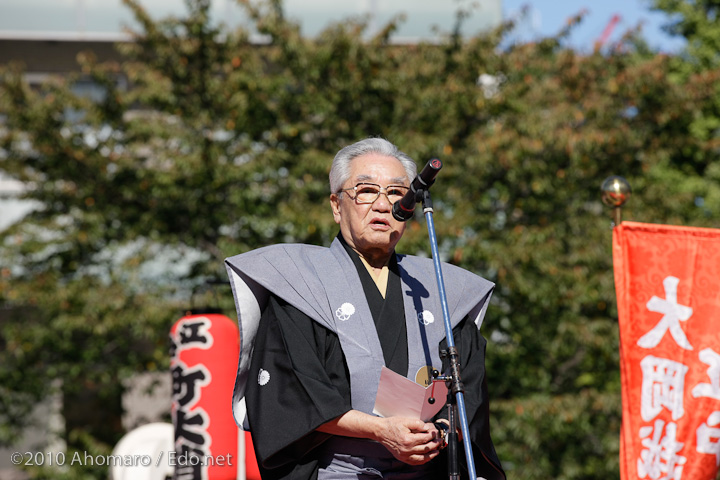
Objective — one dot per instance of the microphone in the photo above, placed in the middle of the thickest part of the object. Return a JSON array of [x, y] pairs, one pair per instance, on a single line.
[[404, 208]]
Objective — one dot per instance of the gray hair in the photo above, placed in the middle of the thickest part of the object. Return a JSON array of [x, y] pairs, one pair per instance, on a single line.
[[340, 170]]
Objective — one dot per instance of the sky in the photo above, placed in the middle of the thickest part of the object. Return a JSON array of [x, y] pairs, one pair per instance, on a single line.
[[546, 17]]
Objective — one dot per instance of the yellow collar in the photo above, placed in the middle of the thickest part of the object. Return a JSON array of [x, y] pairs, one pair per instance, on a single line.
[[380, 279]]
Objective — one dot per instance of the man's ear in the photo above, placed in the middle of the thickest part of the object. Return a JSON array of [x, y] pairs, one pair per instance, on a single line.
[[335, 204]]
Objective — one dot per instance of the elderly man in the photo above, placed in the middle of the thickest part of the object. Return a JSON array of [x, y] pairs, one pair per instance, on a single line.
[[318, 324]]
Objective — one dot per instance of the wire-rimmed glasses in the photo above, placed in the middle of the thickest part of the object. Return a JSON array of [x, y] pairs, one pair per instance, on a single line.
[[369, 192]]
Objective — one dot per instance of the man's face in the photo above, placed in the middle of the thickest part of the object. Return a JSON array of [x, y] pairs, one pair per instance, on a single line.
[[370, 228]]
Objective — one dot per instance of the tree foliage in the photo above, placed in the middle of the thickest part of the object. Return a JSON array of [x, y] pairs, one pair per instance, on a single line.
[[204, 144], [697, 22]]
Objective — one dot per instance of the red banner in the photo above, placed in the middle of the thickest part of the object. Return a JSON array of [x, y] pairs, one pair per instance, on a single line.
[[667, 281], [204, 352]]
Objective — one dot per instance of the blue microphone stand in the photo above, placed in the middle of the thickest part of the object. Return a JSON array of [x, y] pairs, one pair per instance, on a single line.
[[456, 396]]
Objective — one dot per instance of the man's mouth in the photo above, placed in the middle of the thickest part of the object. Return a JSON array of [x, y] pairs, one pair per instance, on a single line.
[[380, 222]]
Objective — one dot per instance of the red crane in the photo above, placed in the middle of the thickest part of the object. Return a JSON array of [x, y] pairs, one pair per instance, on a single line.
[[607, 31]]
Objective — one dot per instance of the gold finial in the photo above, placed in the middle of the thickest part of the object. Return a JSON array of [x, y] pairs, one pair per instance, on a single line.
[[615, 192]]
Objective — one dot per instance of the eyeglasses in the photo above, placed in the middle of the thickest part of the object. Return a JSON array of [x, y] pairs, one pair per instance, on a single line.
[[369, 192]]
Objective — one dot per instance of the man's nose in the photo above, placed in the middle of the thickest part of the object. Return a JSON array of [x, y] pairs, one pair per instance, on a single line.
[[382, 203]]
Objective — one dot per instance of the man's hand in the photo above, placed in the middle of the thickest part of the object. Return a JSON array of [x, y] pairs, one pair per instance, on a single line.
[[410, 440]]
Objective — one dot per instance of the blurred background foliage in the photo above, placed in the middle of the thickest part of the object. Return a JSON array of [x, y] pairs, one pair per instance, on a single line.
[[204, 144]]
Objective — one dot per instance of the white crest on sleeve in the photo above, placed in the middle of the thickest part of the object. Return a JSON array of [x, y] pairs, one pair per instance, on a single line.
[[426, 317], [345, 311], [263, 377]]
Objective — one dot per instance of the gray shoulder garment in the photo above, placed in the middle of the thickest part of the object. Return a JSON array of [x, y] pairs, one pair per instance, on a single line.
[[323, 284]]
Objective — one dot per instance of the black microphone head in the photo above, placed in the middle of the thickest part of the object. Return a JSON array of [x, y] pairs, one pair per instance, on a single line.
[[404, 208], [401, 214]]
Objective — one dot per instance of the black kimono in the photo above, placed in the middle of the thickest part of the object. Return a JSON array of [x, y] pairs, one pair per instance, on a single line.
[[311, 382]]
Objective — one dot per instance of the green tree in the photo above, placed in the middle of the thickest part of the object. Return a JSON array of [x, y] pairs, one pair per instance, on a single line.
[[205, 144], [698, 23]]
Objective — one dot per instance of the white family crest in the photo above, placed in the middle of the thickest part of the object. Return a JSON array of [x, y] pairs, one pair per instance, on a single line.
[[345, 311], [426, 317], [673, 314], [263, 377]]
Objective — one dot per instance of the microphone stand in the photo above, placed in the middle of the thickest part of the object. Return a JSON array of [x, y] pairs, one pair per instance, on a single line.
[[456, 396]]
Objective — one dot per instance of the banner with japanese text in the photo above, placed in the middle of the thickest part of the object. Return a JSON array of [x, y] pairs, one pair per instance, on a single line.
[[667, 281], [203, 358]]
